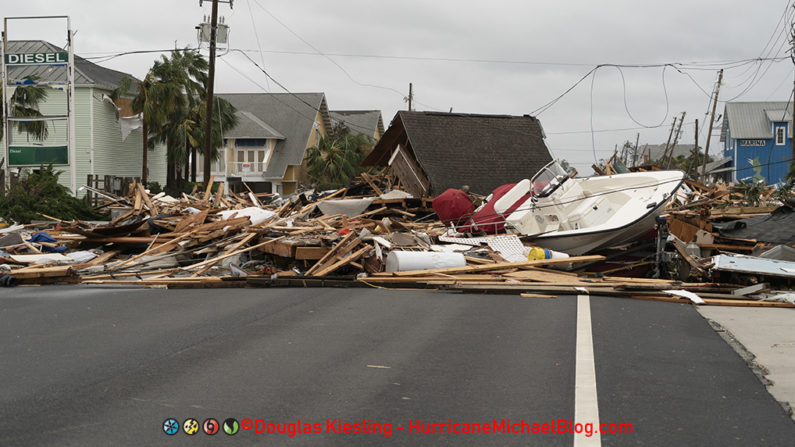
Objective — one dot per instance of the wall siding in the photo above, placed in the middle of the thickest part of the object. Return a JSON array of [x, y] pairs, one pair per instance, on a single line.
[[111, 155]]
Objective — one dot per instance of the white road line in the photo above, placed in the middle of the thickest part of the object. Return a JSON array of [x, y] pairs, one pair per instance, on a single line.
[[586, 405]]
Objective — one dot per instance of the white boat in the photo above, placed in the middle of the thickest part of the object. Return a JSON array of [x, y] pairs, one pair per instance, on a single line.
[[581, 215]]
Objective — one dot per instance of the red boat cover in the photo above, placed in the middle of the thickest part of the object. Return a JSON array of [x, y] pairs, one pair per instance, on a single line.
[[453, 206], [487, 219]]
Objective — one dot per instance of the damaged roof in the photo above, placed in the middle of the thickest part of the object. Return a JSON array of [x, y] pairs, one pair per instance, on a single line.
[[454, 149]]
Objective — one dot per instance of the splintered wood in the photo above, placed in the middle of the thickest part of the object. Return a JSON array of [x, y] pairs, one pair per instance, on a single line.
[[214, 237]]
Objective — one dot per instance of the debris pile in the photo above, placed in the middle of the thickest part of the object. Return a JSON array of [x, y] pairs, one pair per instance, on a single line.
[[373, 234]]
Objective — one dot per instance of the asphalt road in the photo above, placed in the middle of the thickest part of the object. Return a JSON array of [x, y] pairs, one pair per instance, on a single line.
[[90, 366]]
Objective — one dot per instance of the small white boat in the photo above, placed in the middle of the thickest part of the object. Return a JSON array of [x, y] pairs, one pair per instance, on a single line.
[[581, 215]]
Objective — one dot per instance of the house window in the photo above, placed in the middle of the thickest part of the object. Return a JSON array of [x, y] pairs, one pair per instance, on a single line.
[[252, 159], [780, 136]]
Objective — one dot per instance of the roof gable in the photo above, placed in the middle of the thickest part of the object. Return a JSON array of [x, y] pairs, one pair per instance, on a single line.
[[365, 122], [249, 126]]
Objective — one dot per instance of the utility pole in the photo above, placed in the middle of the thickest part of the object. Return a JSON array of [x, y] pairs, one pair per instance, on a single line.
[[635, 152], [695, 154], [208, 125], [709, 134], [792, 122], [676, 138], [668, 143], [411, 95]]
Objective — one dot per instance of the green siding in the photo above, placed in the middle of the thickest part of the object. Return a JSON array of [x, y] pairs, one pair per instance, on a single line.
[[112, 156]]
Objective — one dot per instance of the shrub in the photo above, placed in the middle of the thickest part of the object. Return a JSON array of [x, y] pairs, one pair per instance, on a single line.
[[40, 193]]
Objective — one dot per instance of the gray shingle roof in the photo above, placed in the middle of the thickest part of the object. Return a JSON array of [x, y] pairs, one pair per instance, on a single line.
[[291, 115], [752, 120], [249, 126], [364, 122], [454, 149], [87, 74]]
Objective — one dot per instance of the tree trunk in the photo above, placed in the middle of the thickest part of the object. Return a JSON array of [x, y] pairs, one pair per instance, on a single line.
[[170, 178], [193, 164], [186, 167], [145, 132]]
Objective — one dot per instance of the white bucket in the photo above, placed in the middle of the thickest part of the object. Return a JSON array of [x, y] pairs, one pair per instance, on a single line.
[[401, 261]]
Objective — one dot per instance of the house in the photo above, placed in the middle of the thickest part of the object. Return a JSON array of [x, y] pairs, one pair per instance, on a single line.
[[757, 138], [430, 152], [266, 149], [101, 148], [364, 122]]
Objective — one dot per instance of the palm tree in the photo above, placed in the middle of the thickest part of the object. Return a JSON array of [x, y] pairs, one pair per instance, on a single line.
[[146, 103], [337, 158], [25, 103], [184, 76], [224, 119]]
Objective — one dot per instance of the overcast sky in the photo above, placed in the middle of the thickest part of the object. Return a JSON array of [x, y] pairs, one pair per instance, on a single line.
[[501, 56]]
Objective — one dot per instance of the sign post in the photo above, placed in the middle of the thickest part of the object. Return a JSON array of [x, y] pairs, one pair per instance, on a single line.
[[25, 155]]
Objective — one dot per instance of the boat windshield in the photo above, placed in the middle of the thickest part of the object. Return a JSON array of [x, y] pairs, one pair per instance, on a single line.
[[548, 179]]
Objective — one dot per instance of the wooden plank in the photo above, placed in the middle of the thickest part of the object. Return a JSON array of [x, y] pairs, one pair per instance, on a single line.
[[331, 252], [310, 253], [746, 303], [339, 251], [209, 190], [152, 208], [216, 259], [42, 272], [217, 225], [683, 230], [343, 262], [236, 246], [535, 275], [198, 218], [282, 249], [727, 247], [536, 295], [219, 193], [371, 183], [497, 266], [101, 259]]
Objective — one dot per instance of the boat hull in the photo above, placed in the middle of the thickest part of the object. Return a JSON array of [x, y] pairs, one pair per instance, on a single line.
[[628, 222]]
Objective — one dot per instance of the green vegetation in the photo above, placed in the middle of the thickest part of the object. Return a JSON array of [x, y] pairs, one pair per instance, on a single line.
[[25, 103], [39, 193], [172, 101], [337, 158]]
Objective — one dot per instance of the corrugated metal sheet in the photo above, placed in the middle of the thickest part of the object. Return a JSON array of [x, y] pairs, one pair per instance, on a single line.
[[751, 120]]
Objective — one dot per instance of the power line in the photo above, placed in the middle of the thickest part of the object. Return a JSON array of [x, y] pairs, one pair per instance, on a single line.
[[355, 81], [315, 109]]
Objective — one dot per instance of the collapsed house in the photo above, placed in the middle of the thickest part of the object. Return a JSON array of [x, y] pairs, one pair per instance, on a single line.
[[430, 152]]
